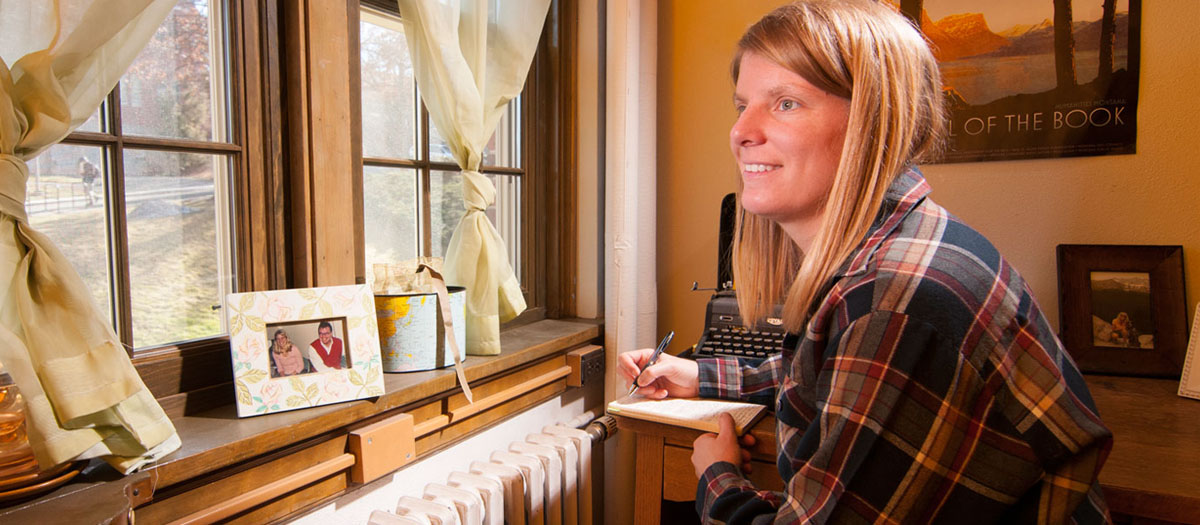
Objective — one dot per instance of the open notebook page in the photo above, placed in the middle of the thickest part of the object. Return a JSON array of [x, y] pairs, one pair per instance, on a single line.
[[700, 414]]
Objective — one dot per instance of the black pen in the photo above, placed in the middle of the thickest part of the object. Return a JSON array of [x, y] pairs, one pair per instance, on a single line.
[[653, 359]]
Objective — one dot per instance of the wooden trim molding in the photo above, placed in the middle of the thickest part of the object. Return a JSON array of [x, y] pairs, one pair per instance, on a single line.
[[262, 234], [224, 457], [551, 160], [321, 155], [263, 493]]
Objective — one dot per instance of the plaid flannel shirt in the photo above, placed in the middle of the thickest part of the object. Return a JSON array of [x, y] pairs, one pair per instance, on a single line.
[[927, 388]]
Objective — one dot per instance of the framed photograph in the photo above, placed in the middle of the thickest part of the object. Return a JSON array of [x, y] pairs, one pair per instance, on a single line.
[[1122, 308], [303, 348]]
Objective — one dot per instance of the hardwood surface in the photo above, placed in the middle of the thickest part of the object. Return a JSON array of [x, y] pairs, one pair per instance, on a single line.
[[1154, 465], [1149, 477]]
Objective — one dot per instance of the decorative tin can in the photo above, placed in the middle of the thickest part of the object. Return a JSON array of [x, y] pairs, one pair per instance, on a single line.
[[412, 336]]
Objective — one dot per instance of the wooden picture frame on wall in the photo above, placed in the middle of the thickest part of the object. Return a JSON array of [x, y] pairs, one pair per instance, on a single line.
[[1122, 308]]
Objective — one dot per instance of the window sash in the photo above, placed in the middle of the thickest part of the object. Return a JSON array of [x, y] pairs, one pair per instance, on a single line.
[[224, 108], [507, 148]]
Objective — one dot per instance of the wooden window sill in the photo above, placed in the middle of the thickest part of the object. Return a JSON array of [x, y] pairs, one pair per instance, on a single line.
[[217, 439]]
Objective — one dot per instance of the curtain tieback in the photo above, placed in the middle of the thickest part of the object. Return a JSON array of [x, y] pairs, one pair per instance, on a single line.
[[478, 191], [13, 175]]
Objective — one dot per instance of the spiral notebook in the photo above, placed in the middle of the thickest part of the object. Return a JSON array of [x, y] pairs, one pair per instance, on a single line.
[[700, 414]]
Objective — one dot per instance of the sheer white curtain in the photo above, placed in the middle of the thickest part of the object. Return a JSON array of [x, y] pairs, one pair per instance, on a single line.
[[470, 59], [58, 60]]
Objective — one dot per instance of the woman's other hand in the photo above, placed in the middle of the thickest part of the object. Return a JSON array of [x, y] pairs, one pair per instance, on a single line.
[[723, 446], [670, 376]]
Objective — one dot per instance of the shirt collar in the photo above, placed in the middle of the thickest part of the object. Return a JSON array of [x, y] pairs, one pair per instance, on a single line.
[[903, 195]]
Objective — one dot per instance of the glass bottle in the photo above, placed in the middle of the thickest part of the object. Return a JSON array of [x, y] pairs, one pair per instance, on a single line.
[[16, 456]]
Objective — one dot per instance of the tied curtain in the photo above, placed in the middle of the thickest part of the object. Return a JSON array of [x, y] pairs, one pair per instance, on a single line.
[[470, 58], [58, 61]]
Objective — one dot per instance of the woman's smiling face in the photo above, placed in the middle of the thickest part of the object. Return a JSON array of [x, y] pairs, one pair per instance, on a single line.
[[787, 141]]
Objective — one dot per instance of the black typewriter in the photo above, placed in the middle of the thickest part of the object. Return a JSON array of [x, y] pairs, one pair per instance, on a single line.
[[724, 335]]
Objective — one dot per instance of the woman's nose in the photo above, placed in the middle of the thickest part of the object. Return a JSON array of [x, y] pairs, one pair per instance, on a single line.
[[746, 130]]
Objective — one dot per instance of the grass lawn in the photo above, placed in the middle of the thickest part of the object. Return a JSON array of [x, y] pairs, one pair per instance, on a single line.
[[173, 266]]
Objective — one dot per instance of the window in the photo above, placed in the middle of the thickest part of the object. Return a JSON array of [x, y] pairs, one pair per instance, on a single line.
[[202, 177], [139, 197], [412, 188]]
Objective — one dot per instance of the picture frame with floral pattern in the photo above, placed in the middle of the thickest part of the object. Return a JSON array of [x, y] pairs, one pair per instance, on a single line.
[[302, 348]]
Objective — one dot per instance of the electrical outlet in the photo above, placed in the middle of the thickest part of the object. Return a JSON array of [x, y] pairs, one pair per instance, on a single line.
[[587, 365]]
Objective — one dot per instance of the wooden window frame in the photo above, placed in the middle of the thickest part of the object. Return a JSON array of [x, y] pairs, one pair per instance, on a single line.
[[278, 230], [114, 143]]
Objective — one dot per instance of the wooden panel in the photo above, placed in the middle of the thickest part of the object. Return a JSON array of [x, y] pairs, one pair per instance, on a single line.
[[197, 400], [481, 404], [203, 493], [264, 493], [94, 503], [295, 48], [259, 189], [1151, 470], [482, 390], [358, 235], [577, 359], [679, 476], [382, 447], [183, 368], [448, 436], [763, 431], [648, 473], [290, 504], [330, 128]]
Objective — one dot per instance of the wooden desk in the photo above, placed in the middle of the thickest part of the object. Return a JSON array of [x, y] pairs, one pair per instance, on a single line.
[[1151, 474], [1154, 467], [663, 465]]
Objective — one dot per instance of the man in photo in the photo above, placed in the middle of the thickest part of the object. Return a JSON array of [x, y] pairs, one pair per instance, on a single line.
[[327, 349]]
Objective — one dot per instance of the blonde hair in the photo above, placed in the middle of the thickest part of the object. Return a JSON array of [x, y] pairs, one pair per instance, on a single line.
[[865, 51]]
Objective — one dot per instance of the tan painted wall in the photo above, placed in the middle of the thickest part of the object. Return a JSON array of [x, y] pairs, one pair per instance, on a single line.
[[1025, 207]]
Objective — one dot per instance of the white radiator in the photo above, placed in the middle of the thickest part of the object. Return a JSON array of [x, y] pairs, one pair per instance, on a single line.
[[544, 480]]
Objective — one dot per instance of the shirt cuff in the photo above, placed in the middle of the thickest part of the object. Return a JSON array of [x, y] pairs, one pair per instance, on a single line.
[[717, 478], [719, 377]]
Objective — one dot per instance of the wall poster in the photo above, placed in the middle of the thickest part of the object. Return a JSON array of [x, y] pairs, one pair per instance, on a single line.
[[1021, 86]]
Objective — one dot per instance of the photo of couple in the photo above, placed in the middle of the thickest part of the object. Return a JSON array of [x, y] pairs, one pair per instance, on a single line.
[[325, 352]]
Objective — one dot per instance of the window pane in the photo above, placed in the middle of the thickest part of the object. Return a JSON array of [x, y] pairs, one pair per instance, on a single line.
[[439, 151], [389, 106], [175, 87], [390, 209], [93, 122], [506, 215], [448, 210], [59, 205], [445, 194], [504, 148], [178, 255]]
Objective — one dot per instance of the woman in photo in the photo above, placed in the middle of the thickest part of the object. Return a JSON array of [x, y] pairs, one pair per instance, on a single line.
[[922, 382], [1122, 329], [286, 359]]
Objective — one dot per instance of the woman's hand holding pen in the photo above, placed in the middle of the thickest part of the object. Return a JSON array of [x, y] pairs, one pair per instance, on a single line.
[[670, 376]]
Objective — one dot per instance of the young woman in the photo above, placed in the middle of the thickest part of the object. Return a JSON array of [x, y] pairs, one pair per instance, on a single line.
[[924, 383], [286, 359]]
